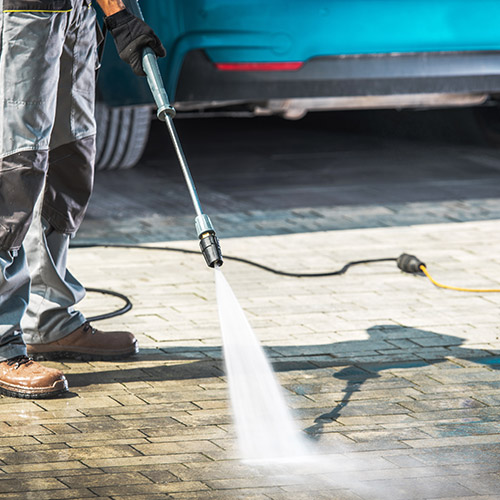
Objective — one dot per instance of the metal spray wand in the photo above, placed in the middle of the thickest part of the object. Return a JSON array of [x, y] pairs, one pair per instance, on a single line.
[[209, 243]]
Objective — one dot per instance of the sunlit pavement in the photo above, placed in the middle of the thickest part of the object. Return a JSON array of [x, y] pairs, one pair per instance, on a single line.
[[396, 380], [385, 369]]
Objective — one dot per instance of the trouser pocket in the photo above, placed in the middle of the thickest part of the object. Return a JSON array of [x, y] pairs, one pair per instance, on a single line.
[[32, 43]]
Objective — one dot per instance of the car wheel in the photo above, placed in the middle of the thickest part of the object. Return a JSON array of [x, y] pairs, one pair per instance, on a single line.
[[122, 134]]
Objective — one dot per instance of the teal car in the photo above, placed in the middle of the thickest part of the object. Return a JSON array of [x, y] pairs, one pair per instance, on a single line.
[[289, 57]]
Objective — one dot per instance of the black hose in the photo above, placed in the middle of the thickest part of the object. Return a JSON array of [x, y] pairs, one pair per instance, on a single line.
[[343, 270], [128, 304], [112, 314]]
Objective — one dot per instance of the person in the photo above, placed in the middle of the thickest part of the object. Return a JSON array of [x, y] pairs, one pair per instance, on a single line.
[[47, 138]]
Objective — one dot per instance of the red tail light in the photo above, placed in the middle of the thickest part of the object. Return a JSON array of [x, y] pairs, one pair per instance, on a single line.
[[263, 66]]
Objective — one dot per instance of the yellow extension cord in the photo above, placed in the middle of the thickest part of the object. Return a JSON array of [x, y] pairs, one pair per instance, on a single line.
[[458, 289]]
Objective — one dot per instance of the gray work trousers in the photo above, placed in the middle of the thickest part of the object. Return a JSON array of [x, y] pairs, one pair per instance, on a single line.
[[47, 150]]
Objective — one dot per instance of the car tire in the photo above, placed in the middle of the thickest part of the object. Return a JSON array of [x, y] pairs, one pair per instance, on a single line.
[[122, 134]]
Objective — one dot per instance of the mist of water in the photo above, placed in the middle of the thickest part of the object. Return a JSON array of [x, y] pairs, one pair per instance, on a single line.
[[265, 428], [267, 435]]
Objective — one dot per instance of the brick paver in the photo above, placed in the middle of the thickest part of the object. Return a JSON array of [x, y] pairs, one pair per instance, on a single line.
[[398, 380]]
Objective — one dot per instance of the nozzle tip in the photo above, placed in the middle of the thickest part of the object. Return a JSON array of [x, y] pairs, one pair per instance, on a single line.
[[210, 249]]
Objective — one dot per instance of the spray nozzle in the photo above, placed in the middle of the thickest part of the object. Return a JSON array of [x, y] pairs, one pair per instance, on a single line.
[[210, 249], [209, 242]]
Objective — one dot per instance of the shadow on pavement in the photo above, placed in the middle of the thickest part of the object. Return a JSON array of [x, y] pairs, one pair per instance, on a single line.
[[356, 375], [186, 363]]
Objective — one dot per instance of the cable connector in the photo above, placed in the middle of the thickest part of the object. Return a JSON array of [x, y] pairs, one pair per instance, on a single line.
[[409, 263]]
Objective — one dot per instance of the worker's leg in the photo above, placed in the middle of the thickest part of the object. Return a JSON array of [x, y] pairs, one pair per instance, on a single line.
[[51, 326], [31, 44], [54, 291]]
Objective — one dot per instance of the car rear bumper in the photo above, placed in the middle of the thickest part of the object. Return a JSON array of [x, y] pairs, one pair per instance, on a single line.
[[343, 76]]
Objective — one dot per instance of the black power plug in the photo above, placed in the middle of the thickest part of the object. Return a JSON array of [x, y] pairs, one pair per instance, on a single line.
[[409, 263]]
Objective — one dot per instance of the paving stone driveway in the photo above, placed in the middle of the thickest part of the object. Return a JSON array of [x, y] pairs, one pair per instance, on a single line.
[[396, 380]]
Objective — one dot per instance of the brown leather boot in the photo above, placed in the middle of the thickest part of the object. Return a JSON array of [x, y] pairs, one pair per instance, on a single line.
[[87, 343], [21, 377]]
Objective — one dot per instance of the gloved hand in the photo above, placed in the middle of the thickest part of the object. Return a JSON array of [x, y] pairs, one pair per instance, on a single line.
[[131, 36]]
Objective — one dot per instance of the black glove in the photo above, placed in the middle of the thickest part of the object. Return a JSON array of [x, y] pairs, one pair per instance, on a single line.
[[131, 36]]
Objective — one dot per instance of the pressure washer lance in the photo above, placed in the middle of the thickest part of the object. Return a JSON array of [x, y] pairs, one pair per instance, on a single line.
[[209, 242]]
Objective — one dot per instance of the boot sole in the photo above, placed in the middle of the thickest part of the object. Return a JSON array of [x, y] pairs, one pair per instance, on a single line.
[[42, 394], [80, 356]]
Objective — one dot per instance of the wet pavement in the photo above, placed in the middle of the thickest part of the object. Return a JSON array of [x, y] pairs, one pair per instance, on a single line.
[[396, 380]]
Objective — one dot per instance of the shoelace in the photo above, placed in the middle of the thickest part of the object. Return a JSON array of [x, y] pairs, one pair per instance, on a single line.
[[87, 326], [18, 361]]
